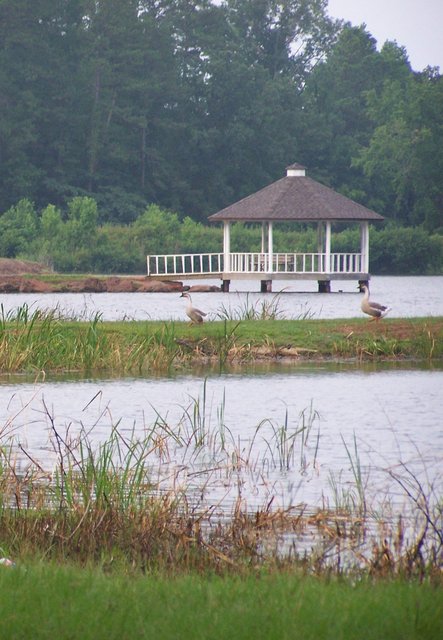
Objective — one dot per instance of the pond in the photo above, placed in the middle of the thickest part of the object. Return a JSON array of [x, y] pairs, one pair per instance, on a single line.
[[294, 434], [407, 296]]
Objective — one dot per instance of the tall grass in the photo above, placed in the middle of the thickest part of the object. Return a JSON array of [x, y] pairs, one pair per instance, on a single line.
[[175, 498], [356, 468], [288, 443], [261, 309], [46, 341]]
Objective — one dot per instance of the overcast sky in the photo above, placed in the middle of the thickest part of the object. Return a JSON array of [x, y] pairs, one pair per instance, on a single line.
[[416, 25]]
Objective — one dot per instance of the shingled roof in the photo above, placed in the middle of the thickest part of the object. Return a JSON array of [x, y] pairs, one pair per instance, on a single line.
[[295, 197]]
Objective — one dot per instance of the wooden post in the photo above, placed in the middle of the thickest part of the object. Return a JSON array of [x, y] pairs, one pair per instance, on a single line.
[[324, 286], [265, 286], [225, 286]]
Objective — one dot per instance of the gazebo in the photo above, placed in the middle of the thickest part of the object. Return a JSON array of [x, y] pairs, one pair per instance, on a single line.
[[293, 198], [297, 198]]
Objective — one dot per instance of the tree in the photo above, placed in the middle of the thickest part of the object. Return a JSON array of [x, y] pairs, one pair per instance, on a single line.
[[40, 52], [132, 75], [18, 228], [404, 160], [50, 237], [156, 227], [80, 228], [335, 107], [283, 36]]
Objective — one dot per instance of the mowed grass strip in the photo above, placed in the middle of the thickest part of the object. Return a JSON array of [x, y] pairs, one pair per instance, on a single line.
[[46, 342], [49, 601]]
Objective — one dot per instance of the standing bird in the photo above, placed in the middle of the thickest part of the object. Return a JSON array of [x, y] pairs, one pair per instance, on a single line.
[[196, 316], [373, 309]]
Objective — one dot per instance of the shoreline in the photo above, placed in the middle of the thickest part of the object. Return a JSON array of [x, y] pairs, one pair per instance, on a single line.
[[94, 284]]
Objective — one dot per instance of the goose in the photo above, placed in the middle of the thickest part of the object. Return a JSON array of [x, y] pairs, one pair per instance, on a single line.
[[373, 309], [195, 315]]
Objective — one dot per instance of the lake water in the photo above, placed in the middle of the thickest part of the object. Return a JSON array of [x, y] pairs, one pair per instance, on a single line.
[[386, 418], [407, 296]]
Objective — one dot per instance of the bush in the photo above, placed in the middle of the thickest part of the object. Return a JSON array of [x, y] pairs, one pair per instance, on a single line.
[[405, 251]]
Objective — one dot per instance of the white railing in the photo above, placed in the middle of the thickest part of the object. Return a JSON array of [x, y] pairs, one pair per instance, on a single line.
[[185, 264], [213, 263], [346, 263]]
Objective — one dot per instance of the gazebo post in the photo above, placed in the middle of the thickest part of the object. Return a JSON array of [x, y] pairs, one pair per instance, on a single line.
[[324, 286], [226, 253], [320, 237], [270, 248], [364, 246], [267, 245]]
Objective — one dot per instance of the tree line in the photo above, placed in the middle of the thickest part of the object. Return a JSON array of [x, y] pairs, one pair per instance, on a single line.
[[190, 105]]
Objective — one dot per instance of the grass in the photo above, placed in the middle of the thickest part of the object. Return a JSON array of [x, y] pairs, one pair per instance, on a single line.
[[46, 341], [48, 601]]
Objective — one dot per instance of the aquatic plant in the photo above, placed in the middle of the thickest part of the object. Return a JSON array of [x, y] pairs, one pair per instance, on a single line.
[[262, 309], [148, 497], [356, 468]]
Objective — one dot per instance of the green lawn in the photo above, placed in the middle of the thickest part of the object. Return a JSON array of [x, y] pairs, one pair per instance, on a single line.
[[44, 601]]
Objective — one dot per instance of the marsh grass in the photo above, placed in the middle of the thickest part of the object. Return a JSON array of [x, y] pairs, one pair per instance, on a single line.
[[147, 501], [356, 468], [262, 309], [288, 443]]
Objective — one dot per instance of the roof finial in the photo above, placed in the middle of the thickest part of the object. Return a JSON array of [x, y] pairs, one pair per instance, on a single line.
[[295, 170]]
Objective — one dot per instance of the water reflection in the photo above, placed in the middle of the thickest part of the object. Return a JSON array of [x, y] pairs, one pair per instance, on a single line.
[[389, 416]]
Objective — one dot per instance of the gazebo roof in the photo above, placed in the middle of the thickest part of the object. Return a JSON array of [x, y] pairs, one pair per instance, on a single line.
[[295, 198]]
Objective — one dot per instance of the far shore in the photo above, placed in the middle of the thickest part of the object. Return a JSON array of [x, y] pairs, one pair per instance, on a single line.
[[24, 276]]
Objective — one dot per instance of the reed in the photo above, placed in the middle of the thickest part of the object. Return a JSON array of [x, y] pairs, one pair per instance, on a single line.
[[285, 441], [356, 468], [262, 309], [144, 500]]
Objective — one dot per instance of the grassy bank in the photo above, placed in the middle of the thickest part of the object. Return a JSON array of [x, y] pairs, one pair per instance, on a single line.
[[44, 341], [47, 601]]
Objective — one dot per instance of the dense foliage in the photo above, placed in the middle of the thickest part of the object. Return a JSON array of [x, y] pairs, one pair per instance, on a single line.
[[109, 106], [77, 243]]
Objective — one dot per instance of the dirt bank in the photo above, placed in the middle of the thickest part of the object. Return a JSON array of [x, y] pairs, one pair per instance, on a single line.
[[20, 276]]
